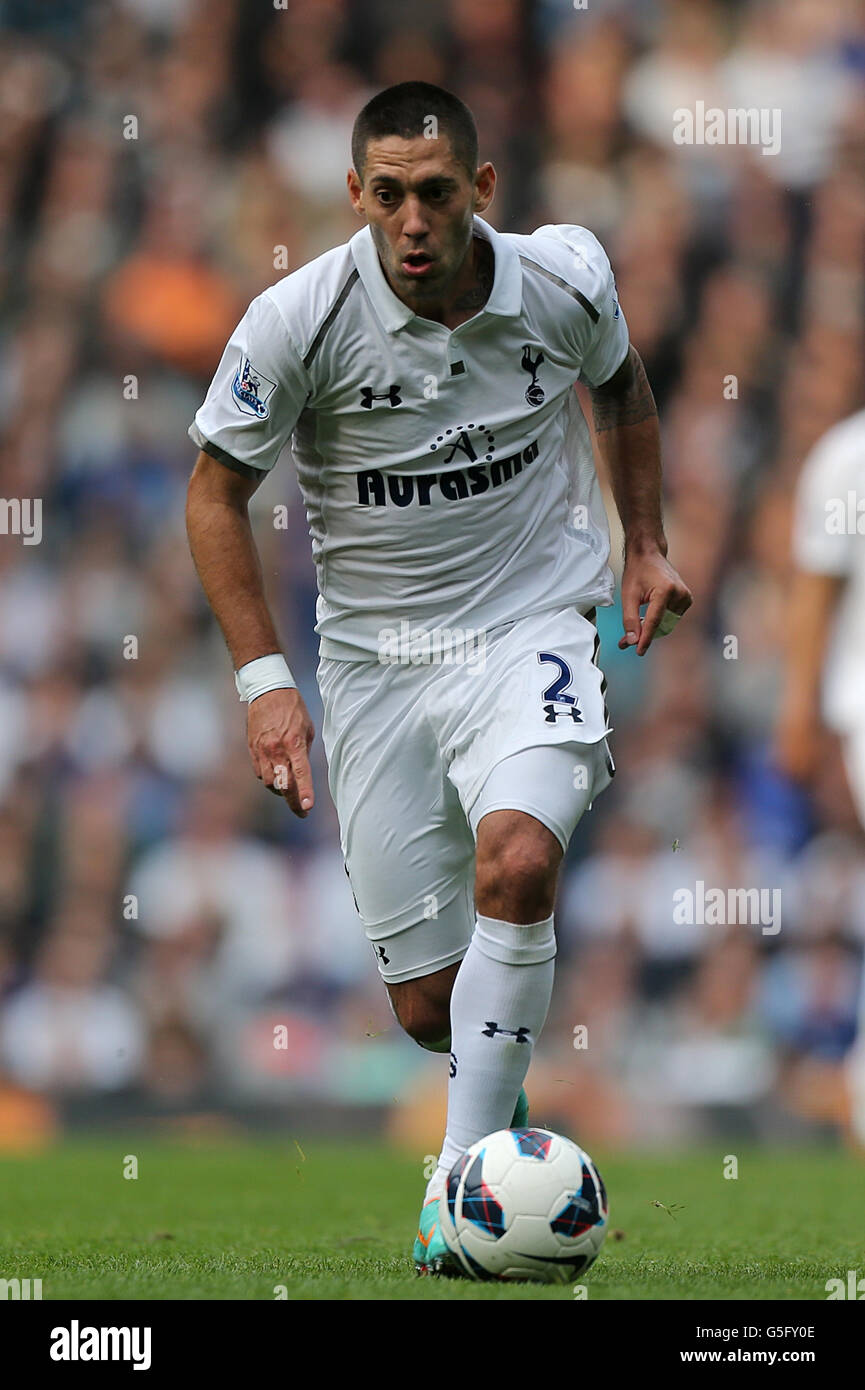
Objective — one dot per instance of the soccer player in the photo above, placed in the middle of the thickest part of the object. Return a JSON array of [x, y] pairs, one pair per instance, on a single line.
[[424, 374], [825, 658]]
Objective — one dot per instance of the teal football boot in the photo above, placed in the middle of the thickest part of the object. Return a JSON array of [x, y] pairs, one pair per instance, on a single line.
[[430, 1252]]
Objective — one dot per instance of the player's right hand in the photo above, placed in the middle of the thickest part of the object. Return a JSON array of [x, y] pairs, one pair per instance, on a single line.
[[279, 732]]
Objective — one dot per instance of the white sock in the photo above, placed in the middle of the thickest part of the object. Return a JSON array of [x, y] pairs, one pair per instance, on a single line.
[[436, 1185], [498, 1007]]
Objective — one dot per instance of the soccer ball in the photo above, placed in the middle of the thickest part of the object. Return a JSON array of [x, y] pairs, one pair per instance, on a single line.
[[524, 1204]]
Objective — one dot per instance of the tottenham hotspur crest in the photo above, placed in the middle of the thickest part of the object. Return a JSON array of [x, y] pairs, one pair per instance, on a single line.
[[534, 393]]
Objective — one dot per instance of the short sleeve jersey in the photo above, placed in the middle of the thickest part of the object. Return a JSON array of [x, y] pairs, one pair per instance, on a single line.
[[829, 538], [447, 475]]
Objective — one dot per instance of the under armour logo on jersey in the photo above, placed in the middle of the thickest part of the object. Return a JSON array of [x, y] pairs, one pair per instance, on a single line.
[[452, 1069], [521, 1034], [534, 393], [551, 714], [367, 396], [385, 960]]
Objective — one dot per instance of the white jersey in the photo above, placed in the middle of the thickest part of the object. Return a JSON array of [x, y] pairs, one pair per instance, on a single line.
[[829, 538], [447, 475]]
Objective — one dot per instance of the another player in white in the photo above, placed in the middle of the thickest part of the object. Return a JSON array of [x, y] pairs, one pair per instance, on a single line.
[[825, 659], [424, 375]]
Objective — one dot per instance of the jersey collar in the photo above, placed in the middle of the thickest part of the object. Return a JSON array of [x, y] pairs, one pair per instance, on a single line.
[[505, 297]]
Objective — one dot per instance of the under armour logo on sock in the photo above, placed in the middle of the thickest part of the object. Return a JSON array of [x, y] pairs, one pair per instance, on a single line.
[[521, 1034], [367, 396], [452, 1070]]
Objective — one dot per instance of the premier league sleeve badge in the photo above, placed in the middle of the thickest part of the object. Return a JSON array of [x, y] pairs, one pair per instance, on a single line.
[[251, 390]]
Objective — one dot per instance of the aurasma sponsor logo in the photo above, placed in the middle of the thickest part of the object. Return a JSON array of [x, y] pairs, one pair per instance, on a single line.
[[377, 489], [77, 1343], [719, 907]]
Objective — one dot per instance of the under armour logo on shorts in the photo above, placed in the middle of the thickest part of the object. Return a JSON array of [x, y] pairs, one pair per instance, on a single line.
[[552, 714]]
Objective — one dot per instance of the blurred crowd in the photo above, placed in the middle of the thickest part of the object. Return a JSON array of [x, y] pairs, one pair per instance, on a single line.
[[169, 933]]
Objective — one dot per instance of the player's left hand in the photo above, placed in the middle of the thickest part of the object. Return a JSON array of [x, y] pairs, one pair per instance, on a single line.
[[650, 579]]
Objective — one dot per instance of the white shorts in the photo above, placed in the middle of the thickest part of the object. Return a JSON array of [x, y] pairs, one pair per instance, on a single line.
[[418, 754]]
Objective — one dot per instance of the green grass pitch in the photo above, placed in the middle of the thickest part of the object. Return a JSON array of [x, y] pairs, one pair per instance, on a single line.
[[235, 1219]]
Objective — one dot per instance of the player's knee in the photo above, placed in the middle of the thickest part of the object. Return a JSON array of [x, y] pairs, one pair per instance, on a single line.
[[428, 1026], [425, 1017], [516, 879]]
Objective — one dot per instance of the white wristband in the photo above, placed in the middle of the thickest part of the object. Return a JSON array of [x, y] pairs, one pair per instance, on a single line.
[[264, 674]]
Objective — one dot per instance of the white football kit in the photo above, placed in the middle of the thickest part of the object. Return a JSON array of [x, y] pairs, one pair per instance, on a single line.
[[829, 538], [460, 544]]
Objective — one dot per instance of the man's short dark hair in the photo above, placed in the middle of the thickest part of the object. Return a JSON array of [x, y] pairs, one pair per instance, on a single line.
[[404, 110]]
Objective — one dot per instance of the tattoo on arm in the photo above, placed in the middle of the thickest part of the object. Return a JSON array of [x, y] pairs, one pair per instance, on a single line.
[[626, 399]]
